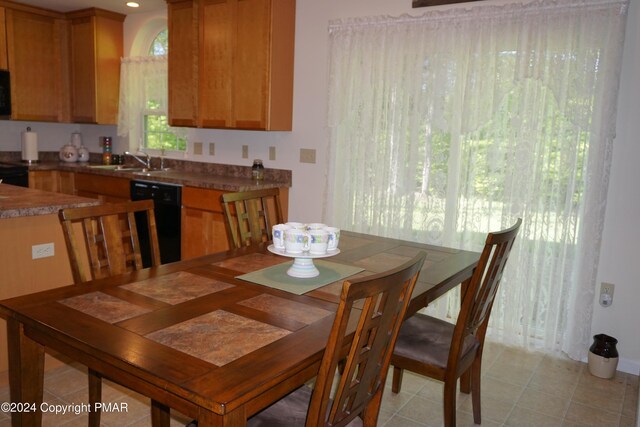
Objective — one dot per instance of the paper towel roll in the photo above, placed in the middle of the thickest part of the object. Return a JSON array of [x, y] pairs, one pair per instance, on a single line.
[[29, 146]]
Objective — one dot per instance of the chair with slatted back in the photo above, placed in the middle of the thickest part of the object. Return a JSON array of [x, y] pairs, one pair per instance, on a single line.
[[110, 239], [376, 304], [249, 215], [446, 352]]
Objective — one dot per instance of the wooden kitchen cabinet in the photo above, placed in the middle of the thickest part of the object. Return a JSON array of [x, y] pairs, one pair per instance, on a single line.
[[38, 61], [105, 188], [96, 49], [203, 223], [4, 64], [203, 229], [52, 180], [243, 59]]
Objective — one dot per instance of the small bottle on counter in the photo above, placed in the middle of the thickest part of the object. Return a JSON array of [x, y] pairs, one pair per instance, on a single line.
[[257, 170]]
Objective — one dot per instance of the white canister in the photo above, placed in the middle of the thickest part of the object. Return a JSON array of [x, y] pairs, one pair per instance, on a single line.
[[83, 154]]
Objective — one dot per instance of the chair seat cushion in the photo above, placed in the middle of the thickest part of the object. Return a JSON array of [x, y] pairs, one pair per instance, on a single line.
[[290, 411], [427, 340]]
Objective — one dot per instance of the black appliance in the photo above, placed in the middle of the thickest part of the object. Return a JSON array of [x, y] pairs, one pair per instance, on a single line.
[[14, 174], [5, 93], [167, 201]]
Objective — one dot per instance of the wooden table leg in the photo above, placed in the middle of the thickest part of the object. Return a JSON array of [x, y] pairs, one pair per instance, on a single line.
[[236, 418], [159, 414], [26, 375]]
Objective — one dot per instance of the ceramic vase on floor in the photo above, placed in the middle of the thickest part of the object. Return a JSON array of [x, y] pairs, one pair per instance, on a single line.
[[603, 356]]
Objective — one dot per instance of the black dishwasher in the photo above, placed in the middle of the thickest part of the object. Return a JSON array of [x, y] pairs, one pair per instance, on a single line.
[[167, 200]]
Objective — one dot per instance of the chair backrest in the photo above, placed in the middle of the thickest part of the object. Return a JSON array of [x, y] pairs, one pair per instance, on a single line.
[[481, 291], [381, 301], [110, 236], [249, 215]]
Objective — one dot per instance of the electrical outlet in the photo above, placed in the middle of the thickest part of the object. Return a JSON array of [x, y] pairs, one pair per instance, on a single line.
[[307, 155], [606, 294], [212, 149], [44, 250], [272, 153], [197, 148], [245, 151]]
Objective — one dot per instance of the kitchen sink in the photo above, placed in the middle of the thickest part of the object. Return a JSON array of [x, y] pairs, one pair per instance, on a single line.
[[145, 172], [120, 168]]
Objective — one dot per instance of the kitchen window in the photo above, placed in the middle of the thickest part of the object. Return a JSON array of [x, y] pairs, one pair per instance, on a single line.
[[143, 101]]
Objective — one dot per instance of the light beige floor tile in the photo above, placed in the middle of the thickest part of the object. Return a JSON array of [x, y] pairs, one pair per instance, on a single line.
[[630, 404], [627, 422], [423, 411], [608, 400], [65, 380], [520, 358], [522, 417], [562, 385], [432, 390], [553, 406], [465, 419], [411, 382], [510, 373], [490, 408], [590, 416], [496, 389], [393, 402], [399, 421]]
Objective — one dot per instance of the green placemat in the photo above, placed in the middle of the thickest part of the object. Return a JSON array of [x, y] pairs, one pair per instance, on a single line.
[[276, 276]]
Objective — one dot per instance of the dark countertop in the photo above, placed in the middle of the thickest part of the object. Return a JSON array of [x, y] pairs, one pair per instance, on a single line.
[[19, 202], [195, 174]]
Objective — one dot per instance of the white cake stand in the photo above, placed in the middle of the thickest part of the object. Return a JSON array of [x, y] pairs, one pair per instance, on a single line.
[[303, 266]]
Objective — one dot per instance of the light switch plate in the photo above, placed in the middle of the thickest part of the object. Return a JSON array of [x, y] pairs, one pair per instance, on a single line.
[[197, 148], [272, 153], [212, 149], [245, 151]]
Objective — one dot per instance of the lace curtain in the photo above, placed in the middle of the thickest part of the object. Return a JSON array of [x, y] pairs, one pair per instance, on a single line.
[[143, 87], [449, 125]]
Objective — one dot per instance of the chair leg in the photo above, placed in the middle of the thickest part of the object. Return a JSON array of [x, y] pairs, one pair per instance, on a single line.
[[465, 382], [95, 396], [475, 387], [396, 381], [449, 397]]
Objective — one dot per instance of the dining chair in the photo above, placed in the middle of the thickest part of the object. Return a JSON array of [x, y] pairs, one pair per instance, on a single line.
[[112, 247], [111, 238], [446, 352], [375, 306], [249, 215]]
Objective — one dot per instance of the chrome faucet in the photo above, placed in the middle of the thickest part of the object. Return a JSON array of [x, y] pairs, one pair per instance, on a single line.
[[146, 163]]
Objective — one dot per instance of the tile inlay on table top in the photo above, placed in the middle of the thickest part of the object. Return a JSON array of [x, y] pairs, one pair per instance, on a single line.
[[104, 307], [164, 288], [218, 337]]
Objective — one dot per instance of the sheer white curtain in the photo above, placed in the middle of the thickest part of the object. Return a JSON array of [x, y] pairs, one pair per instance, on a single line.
[[143, 88], [449, 125]]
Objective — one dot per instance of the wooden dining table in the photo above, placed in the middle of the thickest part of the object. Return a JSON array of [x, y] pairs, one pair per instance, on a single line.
[[194, 337]]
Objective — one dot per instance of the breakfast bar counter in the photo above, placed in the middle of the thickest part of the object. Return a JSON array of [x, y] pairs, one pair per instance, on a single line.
[[20, 202], [33, 254]]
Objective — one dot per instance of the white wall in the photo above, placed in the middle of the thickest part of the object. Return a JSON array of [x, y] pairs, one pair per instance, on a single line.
[[621, 246], [620, 251]]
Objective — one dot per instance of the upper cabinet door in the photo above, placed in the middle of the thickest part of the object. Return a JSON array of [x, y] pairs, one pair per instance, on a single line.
[[244, 63], [39, 88], [96, 50], [183, 62], [4, 64]]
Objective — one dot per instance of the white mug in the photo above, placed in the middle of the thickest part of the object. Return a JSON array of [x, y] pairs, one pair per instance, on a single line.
[[296, 241], [334, 238], [278, 235], [319, 241], [296, 225], [316, 226]]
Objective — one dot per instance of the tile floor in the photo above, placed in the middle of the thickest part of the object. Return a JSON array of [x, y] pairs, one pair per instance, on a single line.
[[519, 389]]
